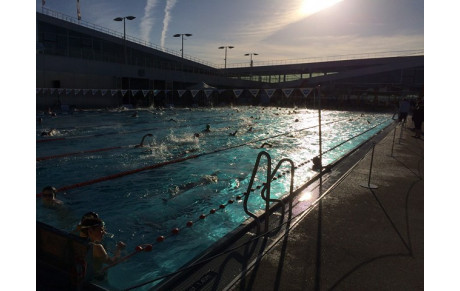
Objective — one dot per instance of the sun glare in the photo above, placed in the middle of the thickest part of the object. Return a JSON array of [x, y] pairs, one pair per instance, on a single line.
[[305, 196], [309, 7]]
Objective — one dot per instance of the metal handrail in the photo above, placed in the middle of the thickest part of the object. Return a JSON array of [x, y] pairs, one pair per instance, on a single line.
[[265, 192], [403, 53]]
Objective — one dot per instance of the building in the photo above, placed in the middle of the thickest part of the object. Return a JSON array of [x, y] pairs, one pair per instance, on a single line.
[[85, 65]]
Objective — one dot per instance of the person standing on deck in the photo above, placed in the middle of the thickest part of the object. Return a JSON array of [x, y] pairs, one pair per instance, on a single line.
[[404, 107], [417, 118]]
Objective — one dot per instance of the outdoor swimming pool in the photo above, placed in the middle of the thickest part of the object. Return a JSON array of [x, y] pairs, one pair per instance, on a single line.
[[145, 192]]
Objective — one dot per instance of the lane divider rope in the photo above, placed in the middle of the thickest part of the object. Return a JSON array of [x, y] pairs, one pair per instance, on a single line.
[[158, 165]]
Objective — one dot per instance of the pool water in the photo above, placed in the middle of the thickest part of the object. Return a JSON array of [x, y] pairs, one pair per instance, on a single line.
[[192, 174]]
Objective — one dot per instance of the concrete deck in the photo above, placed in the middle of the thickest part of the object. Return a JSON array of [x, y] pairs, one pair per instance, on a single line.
[[354, 238]]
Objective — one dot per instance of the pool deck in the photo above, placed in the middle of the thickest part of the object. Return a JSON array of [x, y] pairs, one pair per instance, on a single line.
[[357, 238], [354, 238]]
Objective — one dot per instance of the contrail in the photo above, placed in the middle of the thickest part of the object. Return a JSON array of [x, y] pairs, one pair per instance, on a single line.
[[169, 6], [148, 20]]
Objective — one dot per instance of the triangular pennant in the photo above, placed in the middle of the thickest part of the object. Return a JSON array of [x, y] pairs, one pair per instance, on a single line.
[[68, 91], [103, 91], [254, 92], [208, 92], [52, 90], [85, 91], [305, 91], [155, 92], [94, 91], [76, 91], [123, 92], [181, 92], [38, 90], [113, 92], [287, 91], [145, 92], [270, 92], [134, 92], [237, 92], [194, 92]]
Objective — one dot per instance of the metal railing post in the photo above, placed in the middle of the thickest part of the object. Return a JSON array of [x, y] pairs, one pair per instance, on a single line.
[[369, 185], [393, 145]]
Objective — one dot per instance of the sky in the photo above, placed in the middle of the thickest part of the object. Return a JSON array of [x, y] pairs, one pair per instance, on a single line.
[[274, 29]]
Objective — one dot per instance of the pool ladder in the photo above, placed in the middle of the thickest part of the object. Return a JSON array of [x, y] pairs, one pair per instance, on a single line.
[[265, 192]]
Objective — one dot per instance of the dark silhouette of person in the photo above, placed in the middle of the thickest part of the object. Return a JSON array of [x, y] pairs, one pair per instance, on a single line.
[[208, 128], [417, 118], [317, 166]]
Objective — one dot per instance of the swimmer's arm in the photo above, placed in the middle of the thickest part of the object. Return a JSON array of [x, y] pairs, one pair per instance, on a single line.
[[100, 252]]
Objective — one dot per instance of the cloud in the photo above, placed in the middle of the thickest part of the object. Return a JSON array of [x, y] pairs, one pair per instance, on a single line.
[[148, 19], [167, 18]]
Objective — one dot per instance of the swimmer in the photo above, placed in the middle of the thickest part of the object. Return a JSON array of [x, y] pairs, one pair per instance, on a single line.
[[51, 132], [88, 215], [196, 135], [51, 112], [172, 119], [208, 128], [135, 114], [94, 229], [49, 197], [40, 120], [296, 120], [234, 133], [205, 180], [142, 141], [250, 129]]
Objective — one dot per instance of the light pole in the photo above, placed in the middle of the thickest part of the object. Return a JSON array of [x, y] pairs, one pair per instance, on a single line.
[[250, 54], [222, 47], [124, 23], [182, 35], [124, 30]]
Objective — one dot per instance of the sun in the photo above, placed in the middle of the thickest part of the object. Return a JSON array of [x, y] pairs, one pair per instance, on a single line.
[[309, 7]]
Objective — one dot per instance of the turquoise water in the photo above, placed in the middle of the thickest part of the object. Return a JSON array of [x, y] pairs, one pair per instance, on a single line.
[[204, 172]]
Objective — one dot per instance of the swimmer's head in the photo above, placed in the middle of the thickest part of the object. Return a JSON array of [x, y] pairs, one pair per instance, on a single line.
[[90, 215], [49, 193], [92, 227]]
